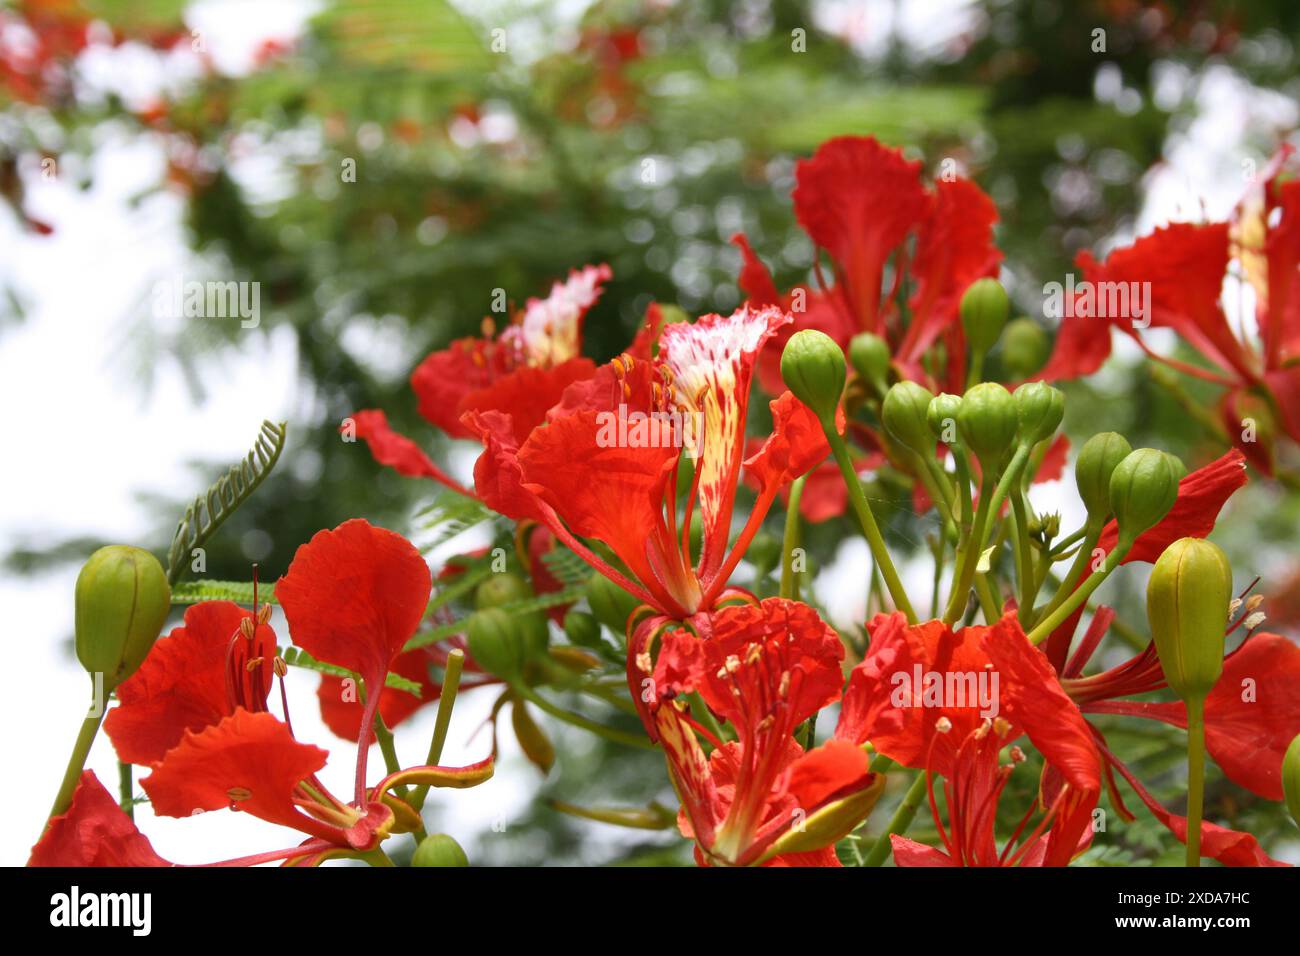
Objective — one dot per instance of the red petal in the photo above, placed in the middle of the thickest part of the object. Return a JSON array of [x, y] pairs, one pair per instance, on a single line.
[[527, 393], [353, 596], [397, 451], [755, 281], [797, 443], [827, 772], [498, 476], [910, 853], [446, 377], [93, 832], [1082, 347], [342, 711], [550, 331], [252, 752], [954, 247], [180, 686], [857, 200]]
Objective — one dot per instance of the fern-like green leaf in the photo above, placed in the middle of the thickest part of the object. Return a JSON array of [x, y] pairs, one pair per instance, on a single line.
[[297, 657], [241, 592], [219, 502], [567, 567], [449, 515]]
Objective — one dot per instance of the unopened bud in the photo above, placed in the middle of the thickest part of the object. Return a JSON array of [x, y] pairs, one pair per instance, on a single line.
[[1098, 458], [1291, 779], [941, 416], [582, 629], [122, 600], [904, 414], [988, 422], [611, 605], [438, 849], [496, 642], [1187, 609], [812, 367], [501, 588], [984, 310], [1024, 347], [1039, 410], [1143, 487], [869, 356]]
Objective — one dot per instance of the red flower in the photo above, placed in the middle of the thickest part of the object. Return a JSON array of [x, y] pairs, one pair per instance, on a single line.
[[93, 832], [765, 669], [522, 372], [1186, 265], [605, 466]]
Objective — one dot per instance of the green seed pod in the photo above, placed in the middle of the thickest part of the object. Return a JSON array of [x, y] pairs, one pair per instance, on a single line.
[[438, 849], [1039, 410], [582, 629], [1143, 487], [1098, 459], [1187, 609], [1291, 778], [904, 414], [496, 642], [813, 368], [984, 310], [988, 422], [611, 605], [121, 604], [869, 356], [1024, 347], [501, 588], [941, 416]]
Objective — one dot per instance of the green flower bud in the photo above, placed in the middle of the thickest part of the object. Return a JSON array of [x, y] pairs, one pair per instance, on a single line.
[[988, 422], [904, 414], [121, 604], [582, 629], [1187, 608], [1098, 458], [869, 356], [496, 642], [1291, 779], [812, 367], [1039, 410], [1025, 347], [501, 588], [1143, 487], [984, 310], [438, 849], [941, 416], [535, 634], [611, 605]]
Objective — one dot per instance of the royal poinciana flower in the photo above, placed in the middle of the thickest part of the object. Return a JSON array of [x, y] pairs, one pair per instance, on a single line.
[[605, 465], [196, 710], [761, 798], [522, 372], [1186, 265], [861, 202], [948, 702]]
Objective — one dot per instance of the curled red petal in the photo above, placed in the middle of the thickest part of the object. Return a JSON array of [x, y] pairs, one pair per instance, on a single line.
[[396, 451], [93, 832], [797, 443], [526, 394]]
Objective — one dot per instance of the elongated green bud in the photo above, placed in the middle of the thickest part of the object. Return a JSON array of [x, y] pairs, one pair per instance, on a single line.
[[438, 849], [941, 416], [496, 642], [1291, 779], [122, 600], [1187, 608], [1098, 458], [813, 368], [582, 629], [904, 415], [869, 356], [1039, 410], [1024, 347], [988, 422], [984, 309], [1143, 487]]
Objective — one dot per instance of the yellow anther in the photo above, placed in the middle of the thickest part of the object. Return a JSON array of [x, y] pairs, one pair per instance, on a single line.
[[239, 793]]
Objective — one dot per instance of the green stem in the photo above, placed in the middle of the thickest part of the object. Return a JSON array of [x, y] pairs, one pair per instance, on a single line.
[[77, 762], [126, 788], [1091, 535], [868, 522], [1054, 620], [1025, 556], [1195, 777], [446, 701], [968, 556], [790, 541], [577, 720], [899, 822]]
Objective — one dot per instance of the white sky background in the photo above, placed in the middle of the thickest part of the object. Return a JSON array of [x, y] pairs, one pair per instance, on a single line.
[[83, 439]]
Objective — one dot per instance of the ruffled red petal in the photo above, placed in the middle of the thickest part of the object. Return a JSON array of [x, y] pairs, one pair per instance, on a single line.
[[353, 596], [526, 394], [181, 685], [396, 451], [447, 376], [797, 443], [93, 832]]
